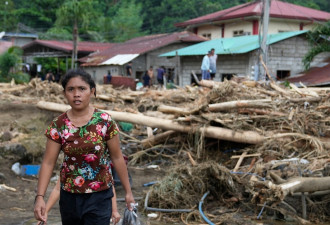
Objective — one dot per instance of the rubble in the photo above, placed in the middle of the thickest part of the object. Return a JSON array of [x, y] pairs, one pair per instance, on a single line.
[[234, 139]]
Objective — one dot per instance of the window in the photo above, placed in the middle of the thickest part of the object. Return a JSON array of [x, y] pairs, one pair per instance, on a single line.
[[226, 76], [207, 35], [282, 31], [238, 33], [280, 74]]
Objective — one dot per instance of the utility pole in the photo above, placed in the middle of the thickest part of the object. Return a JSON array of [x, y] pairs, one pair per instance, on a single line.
[[5, 20], [75, 43], [263, 45]]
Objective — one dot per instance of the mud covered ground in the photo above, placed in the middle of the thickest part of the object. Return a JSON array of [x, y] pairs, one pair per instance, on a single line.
[[16, 207]]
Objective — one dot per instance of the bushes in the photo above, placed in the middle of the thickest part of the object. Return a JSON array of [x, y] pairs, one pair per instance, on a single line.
[[20, 77], [9, 66]]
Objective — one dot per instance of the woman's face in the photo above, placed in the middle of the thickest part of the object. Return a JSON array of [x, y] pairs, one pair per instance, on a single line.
[[78, 93]]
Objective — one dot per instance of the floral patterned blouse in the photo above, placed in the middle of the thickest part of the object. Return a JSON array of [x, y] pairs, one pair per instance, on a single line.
[[85, 167]]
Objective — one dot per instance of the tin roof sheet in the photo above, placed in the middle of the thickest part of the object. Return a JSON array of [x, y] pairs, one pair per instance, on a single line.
[[278, 9], [120, 59], [234, 45]]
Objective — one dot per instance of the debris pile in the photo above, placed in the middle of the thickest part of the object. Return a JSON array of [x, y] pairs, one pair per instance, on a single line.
[[252, 146]]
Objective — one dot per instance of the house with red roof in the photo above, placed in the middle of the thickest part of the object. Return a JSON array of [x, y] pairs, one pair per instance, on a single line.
[[143, 52], [245, 19], [58, 49]]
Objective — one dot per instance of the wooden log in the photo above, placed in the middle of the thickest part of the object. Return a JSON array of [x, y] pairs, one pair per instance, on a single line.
[[240, 160], [249, 137], [279, 89], [266, 69], [208, 83], [106, 98], [149, 132], [224, 106], [156, 139], [177, 110], [313, 99], [251, 155], [271, 93], [261, 112], [303, 184], [15, 88]]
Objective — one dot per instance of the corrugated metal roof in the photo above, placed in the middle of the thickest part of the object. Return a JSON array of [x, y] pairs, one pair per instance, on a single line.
[[141, 45], [278, 9], [9, 34], [317, 76], [235, 45], [83, 46], [120, 59]]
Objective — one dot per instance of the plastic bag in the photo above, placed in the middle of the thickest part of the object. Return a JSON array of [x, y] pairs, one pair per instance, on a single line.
[[131, 217]]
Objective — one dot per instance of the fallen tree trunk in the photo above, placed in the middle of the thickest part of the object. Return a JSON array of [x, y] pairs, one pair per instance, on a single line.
[[249, 137], [16, 88], [154, 140], [261, 112], [224, 106], [106, 98], [176, 110], [301, 184]]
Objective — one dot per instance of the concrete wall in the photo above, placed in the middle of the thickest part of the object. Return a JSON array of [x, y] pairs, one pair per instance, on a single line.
[[286, 55], [139, 64], [215, 31], [98, 72], [275, 25], [230, 27]]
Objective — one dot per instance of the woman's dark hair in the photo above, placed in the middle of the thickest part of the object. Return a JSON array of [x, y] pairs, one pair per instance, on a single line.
[[79, 73]]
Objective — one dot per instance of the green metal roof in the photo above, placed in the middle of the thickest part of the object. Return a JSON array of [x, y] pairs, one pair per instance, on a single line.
[[234, 45]]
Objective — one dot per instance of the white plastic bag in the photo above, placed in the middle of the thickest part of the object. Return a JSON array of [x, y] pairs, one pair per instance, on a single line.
[[131, 217]]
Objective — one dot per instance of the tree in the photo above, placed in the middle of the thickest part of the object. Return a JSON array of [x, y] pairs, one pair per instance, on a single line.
[[10, 62], [160, 16], [127, 21], [76, 12], [8, 19], [38, 14], [319, 39]]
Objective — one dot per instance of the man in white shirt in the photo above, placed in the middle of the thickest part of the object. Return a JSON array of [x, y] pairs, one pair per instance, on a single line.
[[213, 64], [206, 67]]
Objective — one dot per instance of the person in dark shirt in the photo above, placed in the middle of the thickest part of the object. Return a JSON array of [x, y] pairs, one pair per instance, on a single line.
[[129, 69], [146, 79], [160, 76], [109, 76]]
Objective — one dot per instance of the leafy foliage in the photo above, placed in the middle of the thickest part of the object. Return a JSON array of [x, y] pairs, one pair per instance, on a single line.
[[9, 65], [319, 38], [113, 20], [10, 60], [127, 22]]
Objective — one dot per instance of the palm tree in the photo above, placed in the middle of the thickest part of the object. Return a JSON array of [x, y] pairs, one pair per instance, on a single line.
[[78, 13]]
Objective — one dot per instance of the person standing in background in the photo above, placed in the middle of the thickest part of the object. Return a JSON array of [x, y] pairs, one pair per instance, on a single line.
[[109, 77], [129, 71], [206, 67], [151, 74], [213, 63], [160, 76]]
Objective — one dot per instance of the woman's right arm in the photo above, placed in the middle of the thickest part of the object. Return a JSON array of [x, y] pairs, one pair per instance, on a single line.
[[52, 150], [53, 198]]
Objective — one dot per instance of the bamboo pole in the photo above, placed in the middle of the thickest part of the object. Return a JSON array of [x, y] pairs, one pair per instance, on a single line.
[[224, 106], [249, 137]]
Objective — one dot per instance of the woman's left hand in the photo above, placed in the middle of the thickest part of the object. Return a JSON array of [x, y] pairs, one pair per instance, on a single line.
[[115, 217]]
